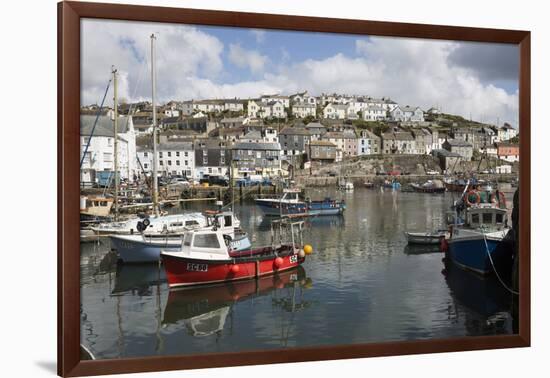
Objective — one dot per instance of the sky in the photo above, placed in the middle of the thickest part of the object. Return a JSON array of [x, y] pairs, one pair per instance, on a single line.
[[475, 80]]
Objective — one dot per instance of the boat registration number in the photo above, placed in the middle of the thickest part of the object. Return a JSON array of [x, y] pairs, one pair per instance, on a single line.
[[197, 267], [293, 259]]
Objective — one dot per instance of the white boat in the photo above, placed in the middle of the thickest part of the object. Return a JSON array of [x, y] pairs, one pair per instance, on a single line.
[[146, 247], [159, 225], [344, 184], [424, 238]]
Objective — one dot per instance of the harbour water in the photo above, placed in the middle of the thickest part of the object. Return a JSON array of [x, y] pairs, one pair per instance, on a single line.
[[362, 284]]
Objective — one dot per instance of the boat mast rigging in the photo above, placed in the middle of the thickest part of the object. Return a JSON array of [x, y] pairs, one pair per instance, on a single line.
[[155, 163]]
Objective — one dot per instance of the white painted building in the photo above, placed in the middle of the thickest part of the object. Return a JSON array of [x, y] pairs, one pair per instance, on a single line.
[[304, 109], [174, 158], [373, 113], [336, 111], [100, 153], [407, 114]]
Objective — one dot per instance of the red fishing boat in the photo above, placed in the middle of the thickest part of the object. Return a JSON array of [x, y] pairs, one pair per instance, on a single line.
[[206, 257]]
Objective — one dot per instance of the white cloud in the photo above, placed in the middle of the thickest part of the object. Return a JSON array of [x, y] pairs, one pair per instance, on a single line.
[[259, 35], [181, 52], [190, 65], [244, 58]]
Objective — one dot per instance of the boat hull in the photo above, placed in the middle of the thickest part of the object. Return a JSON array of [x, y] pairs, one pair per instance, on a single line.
[[182, 271], [422, 238], [470, 252], [133, 249], [285, 208]]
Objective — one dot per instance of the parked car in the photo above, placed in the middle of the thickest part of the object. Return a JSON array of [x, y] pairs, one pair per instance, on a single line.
[[432, 172]]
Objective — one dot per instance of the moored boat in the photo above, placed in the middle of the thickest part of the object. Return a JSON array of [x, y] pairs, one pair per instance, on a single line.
[[143, 248], [288, 203], [477, 245], [206, 258], [326, 206], [162, 224], [424, 238], [291, 204], [435, 186]]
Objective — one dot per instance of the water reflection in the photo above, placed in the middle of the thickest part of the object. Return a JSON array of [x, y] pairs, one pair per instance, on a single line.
[[203, 311], [481, 303]]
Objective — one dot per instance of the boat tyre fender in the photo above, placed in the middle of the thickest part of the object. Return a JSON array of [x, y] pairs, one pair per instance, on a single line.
[[472, 193]]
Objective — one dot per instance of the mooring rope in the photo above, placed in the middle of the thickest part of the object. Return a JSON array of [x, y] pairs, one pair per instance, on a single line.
[[493, 265]]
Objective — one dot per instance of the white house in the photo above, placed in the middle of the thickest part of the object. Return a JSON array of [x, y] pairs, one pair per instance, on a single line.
[[506, 132], [407, 113], [174, 158], [336, 111], [285, 100], [373, 113], [100, 153], [254, 107], [304, 109]]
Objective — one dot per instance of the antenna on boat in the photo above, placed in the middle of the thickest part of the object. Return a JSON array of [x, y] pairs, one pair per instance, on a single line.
[[155, 158], [115, 131]]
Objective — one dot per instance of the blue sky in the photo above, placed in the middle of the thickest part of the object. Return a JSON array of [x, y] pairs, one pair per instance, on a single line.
[[196, 62]]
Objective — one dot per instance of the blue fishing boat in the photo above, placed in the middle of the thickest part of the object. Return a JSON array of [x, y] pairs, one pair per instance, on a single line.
[[326, 206], [477, 245], [290, 203]]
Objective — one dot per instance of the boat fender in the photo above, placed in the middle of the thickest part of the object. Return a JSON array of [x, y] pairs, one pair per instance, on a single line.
[[301, 253], [235, 269], [278, 262], [308, 249], [140, 227], [443, 245], [472, 193]]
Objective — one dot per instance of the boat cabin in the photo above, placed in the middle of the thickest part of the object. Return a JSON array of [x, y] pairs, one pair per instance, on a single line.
[[486, 217], [205, 244]]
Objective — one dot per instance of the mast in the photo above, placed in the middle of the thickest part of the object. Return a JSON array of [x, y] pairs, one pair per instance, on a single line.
[[155, 158], [115, 128]]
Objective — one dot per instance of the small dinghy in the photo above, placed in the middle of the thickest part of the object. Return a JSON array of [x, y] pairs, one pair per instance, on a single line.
[[424, 238]]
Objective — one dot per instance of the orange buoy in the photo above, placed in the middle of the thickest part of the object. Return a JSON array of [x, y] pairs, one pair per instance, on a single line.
[[278, 262], [235, 269]]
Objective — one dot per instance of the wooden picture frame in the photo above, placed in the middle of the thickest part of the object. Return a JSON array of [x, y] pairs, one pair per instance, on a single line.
[[69, 15]]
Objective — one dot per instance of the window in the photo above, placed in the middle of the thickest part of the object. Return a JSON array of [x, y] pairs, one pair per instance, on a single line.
[[487, 218], [177, 154], [191, 223], [205, 160], [169, 162], [500, 218], [161, 162], [145, 165], [160, 154], [107, 156], [109, 142], [186, 162], [177, 162], [475, 218], [209, 169], [145, 154], [258, 155], [187, 238], [169, 155], [185, 154]]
